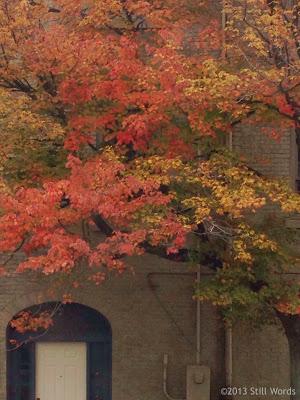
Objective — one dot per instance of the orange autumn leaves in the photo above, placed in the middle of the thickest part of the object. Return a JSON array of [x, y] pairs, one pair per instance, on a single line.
[[126, 91], [101, 185]]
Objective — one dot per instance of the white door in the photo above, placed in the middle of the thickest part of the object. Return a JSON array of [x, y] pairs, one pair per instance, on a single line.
[[61, 371]]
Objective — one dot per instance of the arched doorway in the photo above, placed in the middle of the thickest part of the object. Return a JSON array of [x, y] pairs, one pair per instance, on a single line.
[[75, 350]]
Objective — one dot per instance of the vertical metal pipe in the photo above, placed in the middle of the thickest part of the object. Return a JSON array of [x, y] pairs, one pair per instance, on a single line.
[[230, 141], [198, 322], [228, 329], [223, 50], [198, 307], [165, 373], [228, 356]]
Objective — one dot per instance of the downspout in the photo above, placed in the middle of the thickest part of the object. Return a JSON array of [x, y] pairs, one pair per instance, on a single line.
[[198, 307], [165, 373], [228, 356], [198, 342], [228, 328], [198, 322], [223, 52]]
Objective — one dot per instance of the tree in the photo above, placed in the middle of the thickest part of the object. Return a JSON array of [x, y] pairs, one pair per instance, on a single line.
[[258, 76], [120, 91]]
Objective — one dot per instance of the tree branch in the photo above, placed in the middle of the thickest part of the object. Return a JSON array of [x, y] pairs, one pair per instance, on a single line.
[[209, 259]]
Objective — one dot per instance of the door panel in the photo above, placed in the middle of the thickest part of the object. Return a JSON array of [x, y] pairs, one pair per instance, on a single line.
[[100, 371], [61, 371], [20, 372]]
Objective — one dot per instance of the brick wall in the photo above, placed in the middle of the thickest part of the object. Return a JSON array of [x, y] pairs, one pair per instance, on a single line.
[[149, 316], [149, 320], [266, 155], [261, 358]]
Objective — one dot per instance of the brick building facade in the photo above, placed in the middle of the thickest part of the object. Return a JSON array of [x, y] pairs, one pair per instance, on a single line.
[[151, 313]]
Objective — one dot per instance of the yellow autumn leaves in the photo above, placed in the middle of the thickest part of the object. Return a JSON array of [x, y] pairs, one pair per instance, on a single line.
[[224, 195], [28, 138]]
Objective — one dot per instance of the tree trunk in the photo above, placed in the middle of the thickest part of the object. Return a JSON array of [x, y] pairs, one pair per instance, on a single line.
[[291, 324]]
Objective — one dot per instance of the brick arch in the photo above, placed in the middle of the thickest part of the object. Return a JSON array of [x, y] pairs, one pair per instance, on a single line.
[[73, 322], [23, 302]]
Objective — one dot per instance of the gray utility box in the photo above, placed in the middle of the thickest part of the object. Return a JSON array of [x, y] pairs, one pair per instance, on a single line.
[[197, 382]]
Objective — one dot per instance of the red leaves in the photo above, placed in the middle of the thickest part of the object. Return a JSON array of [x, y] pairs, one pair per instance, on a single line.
[[144, 77], [171, 233], [287, 308], [48, 219], [71, 92], [25, 321], [64, 251], [75, 140], [111, 252], [210, 38], [136, 131], [284, 107]]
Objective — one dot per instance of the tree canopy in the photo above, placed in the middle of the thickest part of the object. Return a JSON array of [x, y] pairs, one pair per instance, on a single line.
[[114, 116]]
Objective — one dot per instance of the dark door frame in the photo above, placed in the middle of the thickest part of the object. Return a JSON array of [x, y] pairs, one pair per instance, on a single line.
[[74, 323]]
